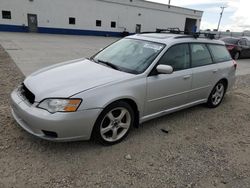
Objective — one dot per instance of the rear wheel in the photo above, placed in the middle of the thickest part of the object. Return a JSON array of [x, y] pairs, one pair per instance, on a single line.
[[114, 123], [217, 95]]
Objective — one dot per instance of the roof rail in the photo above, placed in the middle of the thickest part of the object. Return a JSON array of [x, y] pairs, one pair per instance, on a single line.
[[198, 35], [176, 30]]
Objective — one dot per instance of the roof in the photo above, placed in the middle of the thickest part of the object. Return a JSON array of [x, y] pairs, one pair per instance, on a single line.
[[157, 6], [169, 38], [164, 4]]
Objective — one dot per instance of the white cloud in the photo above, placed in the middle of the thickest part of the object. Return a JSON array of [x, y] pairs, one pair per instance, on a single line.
[[240, 18], [238, 21]]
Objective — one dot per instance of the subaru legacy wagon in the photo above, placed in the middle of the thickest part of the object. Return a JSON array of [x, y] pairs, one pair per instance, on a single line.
[[133, 80]]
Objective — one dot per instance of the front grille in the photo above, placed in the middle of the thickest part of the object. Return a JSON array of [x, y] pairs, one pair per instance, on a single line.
[[27, 94]]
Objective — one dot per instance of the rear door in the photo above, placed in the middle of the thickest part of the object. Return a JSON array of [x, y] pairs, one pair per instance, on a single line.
[[205, 72]]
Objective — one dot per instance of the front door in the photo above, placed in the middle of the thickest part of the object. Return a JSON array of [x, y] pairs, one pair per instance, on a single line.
[[32, 22], [168, 91]]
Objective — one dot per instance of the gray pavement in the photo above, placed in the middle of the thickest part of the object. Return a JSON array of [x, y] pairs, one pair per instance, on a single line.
[[34, 51], [31, 51]]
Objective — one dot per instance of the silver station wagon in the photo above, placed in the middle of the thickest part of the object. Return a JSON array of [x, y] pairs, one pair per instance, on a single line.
[[133, 80]]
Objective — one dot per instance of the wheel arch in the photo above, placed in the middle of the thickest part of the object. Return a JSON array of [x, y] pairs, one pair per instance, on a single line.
[[225, 81], [132, 103]]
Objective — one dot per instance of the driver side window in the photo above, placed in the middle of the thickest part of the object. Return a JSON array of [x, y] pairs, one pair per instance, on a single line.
[[177, 56]]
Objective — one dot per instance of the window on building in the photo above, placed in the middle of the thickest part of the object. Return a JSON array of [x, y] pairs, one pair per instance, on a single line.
[[113, 24], [98, 23], [6, 14], [72, 21]]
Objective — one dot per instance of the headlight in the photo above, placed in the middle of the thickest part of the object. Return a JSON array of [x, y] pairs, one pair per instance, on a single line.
[[60, 105]]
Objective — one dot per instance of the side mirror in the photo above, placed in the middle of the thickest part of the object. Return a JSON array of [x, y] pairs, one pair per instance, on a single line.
[[164, 69]]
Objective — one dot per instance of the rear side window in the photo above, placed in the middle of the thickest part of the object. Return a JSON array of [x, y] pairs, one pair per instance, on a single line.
[[200, 55], [219, 53], [177, 56]]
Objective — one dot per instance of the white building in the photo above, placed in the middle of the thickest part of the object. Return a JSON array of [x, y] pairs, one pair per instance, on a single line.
[[94, 17]]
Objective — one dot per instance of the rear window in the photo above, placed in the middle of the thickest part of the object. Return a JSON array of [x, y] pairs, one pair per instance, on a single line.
[[219, 53], [230, 40]]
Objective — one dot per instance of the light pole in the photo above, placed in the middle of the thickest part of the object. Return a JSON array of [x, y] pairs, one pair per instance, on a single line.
[[221, 14], [169, 2]]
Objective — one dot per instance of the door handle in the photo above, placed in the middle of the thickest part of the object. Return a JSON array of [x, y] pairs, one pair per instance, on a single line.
[[186, 77]]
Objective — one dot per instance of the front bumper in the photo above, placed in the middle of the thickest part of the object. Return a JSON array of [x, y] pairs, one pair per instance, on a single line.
[[67, 126]]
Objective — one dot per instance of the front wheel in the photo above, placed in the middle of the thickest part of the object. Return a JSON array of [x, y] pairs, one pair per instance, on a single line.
[[217, 95], [114, 123]]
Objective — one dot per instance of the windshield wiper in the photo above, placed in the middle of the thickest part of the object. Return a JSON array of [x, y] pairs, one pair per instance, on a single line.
[[92, 59], [109, 64]]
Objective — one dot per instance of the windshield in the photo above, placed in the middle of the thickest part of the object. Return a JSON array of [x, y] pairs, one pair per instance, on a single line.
[[129, 55], [230, 40]]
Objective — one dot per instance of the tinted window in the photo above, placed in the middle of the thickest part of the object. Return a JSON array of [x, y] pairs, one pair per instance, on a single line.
[[113, 24], [72, 21], [230, 40], [6, 14], [177, 56], [98, 23], [200, 55], [219, 52]]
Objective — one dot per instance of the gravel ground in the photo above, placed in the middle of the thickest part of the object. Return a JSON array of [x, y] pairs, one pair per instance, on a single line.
[[203, 148]]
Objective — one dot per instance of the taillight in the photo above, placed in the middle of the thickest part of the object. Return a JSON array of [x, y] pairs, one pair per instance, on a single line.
[[230, 47], [235, 64]]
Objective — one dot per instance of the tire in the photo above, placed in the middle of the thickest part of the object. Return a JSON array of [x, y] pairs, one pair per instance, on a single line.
[[217, 95], [236, 56], [114, 123]]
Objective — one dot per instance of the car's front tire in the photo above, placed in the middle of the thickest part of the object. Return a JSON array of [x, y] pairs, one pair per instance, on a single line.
[[217, 95], [114, 123]]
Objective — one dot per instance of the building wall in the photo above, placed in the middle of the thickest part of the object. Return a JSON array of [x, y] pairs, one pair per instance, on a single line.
[[53, 15]]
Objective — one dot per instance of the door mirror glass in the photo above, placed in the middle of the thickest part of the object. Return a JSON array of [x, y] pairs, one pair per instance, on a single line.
[[164, 69]]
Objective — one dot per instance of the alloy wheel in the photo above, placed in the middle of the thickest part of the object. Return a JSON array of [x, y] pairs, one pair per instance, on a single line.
[[218, 94], [115, 124]]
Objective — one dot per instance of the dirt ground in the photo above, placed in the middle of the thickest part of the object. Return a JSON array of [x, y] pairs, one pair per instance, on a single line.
[[204, 148]]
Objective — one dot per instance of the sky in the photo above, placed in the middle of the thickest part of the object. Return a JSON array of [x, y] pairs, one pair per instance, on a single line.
[[236, 16]]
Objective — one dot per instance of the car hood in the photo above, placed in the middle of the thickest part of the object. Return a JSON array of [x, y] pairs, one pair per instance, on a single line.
[[67, 79]]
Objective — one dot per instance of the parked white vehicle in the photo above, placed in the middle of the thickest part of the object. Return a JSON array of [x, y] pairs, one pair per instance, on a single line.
[[138, 78]]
